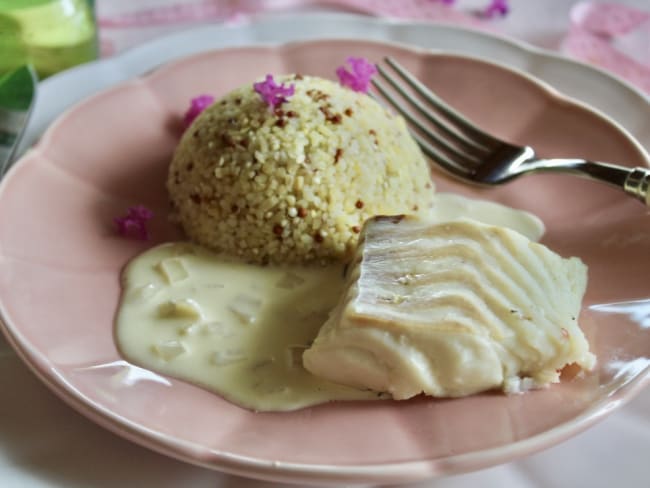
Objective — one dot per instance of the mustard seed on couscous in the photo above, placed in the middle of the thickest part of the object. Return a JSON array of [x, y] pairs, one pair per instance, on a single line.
[[294, 182]]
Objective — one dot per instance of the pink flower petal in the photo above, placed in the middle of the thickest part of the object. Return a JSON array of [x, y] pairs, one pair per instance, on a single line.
[[496, 8], [272, 93], [197, 105], [134, 223], [359, 78]]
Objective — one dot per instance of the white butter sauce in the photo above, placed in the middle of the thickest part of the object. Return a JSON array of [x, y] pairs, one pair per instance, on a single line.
[[240, 329]]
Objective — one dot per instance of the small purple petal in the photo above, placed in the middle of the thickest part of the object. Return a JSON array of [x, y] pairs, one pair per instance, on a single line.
[[140, 212], [496, 8], [197, 105], [359, 78], [134, 223], [272, 93]]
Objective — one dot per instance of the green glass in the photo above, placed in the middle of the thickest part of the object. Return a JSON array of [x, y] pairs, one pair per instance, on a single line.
[[53, 35]]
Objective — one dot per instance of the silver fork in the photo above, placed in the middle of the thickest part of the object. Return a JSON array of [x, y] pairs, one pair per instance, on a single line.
[[473, 155]]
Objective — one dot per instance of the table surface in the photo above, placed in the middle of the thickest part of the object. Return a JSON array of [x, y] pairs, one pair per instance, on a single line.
[[44, 443]]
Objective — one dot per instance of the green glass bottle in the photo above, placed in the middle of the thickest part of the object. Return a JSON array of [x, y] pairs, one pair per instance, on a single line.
[[53, 35]]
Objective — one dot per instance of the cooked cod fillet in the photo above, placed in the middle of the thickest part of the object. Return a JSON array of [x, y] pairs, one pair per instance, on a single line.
[[452, 309]]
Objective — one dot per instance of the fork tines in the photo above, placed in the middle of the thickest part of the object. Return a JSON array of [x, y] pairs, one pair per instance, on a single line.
[[443, 134]]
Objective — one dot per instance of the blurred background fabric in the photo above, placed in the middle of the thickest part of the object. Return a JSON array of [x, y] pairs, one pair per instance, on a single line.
[[612, 35]]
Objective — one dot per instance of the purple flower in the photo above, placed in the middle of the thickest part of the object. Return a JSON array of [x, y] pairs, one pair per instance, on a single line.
[[359, 79], [272, 93], [496, 8], [134, 223], [197, 105]]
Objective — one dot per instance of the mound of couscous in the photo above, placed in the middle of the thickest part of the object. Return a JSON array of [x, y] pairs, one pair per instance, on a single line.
[[294, 183]]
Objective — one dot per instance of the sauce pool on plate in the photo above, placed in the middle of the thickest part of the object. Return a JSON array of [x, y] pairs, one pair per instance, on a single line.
[[240, 329], [237, 329]]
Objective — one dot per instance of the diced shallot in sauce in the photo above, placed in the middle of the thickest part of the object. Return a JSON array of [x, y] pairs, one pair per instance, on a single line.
[[173, 270], [246, 308], [290, 280], [142, 293], [185, 308], [217, 329], [227, 356], [169, 350]]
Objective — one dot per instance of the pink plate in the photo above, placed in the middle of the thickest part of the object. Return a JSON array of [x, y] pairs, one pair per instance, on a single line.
[[60, 262]]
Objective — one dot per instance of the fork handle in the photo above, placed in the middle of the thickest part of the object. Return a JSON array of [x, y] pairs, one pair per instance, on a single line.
[[637, 184], [633, 181]]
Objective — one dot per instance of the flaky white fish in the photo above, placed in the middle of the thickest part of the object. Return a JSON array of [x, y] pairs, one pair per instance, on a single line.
[[452, 309]]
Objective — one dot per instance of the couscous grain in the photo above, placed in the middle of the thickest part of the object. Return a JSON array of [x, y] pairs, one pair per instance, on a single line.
[[294, 184]]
